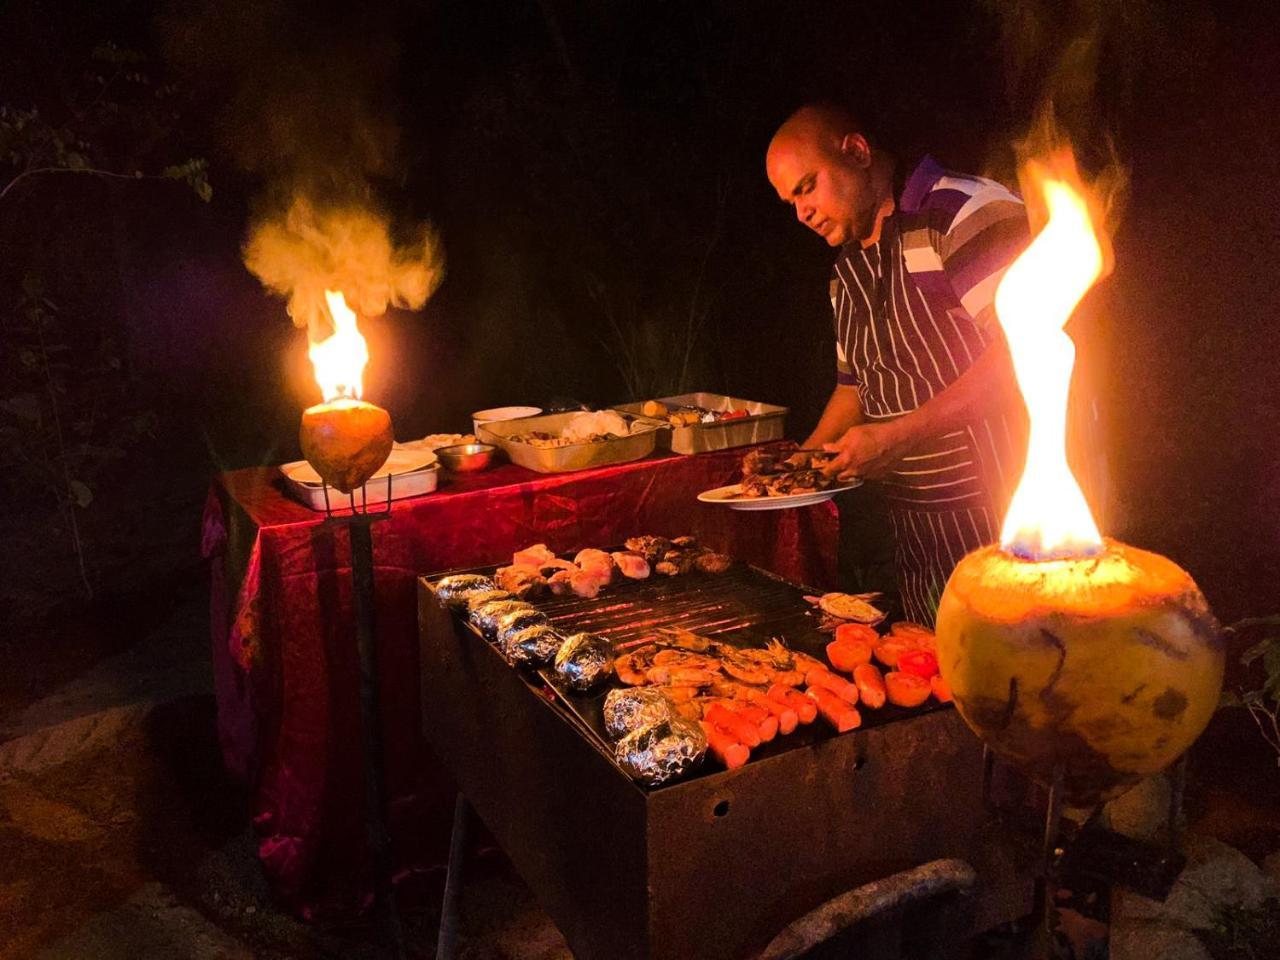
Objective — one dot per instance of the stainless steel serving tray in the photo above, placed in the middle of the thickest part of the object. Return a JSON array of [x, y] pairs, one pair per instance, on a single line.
[[765, 423], [573, 456]]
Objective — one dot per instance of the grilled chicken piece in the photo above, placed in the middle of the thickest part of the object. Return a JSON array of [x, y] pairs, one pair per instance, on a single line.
[[632, 565], [520, 579], [712, 562], [651, 548], [760, 463], [534, 556]]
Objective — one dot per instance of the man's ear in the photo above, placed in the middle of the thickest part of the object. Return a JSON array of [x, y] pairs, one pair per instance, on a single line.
[[855, 147]]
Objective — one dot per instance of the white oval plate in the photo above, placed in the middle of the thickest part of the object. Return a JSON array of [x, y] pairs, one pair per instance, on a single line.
[[730, 497], [398, 461]]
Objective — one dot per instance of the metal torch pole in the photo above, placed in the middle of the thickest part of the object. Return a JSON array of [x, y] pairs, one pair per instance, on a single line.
[[376, 828]]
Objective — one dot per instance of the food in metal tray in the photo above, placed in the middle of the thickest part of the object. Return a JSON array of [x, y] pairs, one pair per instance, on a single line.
[[583, 661], [688, 415], [455, 590], [770, 473], [587, 427], [630, 708], [533, 646], [662, 751]]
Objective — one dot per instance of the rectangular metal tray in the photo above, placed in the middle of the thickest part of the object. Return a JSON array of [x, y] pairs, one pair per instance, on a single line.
[[766, 422], [403, 486], [575, 456]]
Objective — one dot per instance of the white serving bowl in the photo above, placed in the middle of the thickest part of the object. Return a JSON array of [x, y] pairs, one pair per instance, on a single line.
[[496, 414]]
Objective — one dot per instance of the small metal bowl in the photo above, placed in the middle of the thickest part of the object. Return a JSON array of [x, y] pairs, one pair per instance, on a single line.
[[466, 457]]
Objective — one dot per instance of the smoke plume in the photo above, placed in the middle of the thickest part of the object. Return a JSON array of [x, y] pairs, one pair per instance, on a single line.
[[309, 96], [307, 250]]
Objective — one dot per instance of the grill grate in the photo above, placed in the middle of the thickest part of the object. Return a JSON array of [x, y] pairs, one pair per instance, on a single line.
[[744, 606], [740, 600]]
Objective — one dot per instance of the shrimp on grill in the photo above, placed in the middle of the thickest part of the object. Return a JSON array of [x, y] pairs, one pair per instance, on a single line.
[[684, 640], [633, 668]]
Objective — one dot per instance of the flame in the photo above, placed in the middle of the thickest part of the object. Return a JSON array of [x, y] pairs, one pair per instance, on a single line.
[[1048, 517], [339, 360]]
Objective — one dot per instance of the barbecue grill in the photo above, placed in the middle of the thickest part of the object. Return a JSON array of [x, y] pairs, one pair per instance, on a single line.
[[714, 865]]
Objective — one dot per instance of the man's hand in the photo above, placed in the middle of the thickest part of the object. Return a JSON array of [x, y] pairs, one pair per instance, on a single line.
[[867, 451]]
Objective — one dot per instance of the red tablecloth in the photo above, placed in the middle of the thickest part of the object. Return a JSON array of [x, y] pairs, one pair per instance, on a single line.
[[285, 664]]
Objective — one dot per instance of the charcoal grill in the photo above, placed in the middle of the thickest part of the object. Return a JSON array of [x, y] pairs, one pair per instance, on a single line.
[[712, 866]]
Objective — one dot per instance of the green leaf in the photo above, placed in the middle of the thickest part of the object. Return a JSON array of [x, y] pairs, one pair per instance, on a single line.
[[81, 493], [1229, 698], [1255, 651]]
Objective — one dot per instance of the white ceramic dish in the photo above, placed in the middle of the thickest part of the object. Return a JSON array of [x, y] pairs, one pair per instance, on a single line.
[[730, 497], [499, 414]]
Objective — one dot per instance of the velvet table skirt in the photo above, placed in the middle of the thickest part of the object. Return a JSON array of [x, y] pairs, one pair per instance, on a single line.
[[284, 653]]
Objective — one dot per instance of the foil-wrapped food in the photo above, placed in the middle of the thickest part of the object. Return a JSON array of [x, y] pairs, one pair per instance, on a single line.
[[477, 600], [662, 751], [455, 590], [511, 623], [584, 660], [630, 708], [485, 617], [533, 646]]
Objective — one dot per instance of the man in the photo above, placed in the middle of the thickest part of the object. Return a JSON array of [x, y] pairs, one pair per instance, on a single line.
[[925, 399]]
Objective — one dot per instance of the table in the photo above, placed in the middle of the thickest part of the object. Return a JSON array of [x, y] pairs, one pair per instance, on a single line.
[[284, 655]]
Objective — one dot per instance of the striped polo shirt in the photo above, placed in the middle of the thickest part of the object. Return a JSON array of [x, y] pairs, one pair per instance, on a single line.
[[913, 311]]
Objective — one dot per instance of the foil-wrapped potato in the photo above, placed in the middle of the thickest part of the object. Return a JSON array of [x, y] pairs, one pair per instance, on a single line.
[[475, 601], [533, 646], [584, 660], [662, 751], [456, 589], [631, 708], [509, 624], [485, 616]]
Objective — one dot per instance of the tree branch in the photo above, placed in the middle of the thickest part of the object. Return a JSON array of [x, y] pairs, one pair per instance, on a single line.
[[90, 170]]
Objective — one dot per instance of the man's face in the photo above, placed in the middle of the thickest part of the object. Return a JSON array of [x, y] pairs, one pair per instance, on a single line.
[[828, 181]]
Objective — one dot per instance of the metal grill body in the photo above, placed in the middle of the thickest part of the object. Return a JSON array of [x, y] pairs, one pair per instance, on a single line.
[[713, 866]]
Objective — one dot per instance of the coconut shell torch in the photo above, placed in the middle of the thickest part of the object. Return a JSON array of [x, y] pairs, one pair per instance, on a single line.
[[1087, 663], [345, 439]]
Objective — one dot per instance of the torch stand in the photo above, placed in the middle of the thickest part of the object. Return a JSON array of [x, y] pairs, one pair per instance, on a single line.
[[358, 523], [1091, 850]]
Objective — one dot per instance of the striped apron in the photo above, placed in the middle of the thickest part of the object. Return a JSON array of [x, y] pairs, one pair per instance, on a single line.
[[900, 347]]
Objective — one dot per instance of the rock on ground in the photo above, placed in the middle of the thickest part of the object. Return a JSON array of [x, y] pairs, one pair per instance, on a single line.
[[1216, 876]]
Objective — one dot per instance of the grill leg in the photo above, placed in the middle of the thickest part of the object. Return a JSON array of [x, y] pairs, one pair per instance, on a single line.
[[375, 808], [447, 941], [1046, 887]]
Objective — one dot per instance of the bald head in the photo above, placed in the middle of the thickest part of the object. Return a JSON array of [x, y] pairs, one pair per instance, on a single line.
[[822, 124], [821, 162]]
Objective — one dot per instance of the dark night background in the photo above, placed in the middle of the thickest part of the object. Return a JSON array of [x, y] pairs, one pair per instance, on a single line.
[[595, 172]]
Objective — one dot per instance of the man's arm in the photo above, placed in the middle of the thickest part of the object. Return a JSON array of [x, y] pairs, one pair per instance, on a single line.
[[870, 450], [843, 411]]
